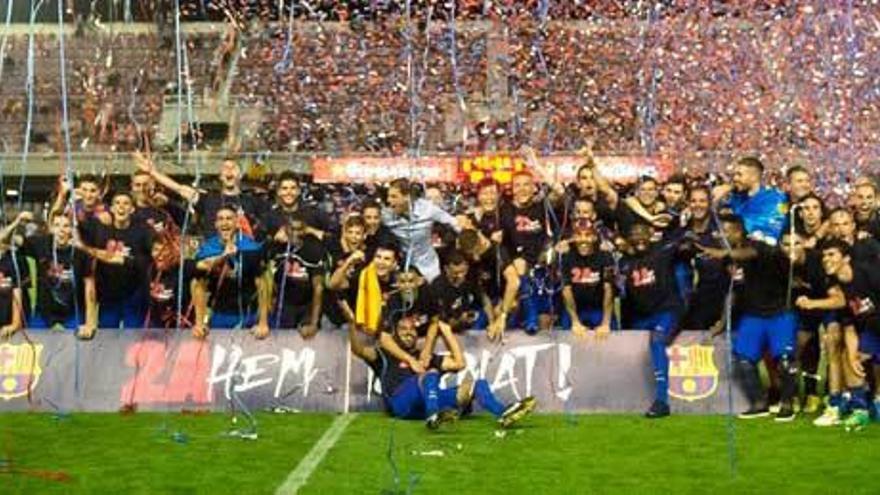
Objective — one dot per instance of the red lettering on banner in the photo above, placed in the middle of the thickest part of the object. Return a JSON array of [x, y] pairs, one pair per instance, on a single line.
[[187, 379]]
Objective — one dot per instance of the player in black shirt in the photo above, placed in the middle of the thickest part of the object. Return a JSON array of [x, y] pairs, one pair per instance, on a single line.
[[764, 323], [413, 300], [808, 280], [89, 207], [866, 215], [644, 207], [123, 253], [375, 234], [298, 267], [152, 209], [864, 249], [525, 235], [592, 186], [485, 216], [588, 281], [236, 292], [288, 202], [172, 287], [705, 303], [497, 279], [65, 285], [249, 208], [457, 297], [13, 273], [411, 393], [860, 286], [344, 255], [651, 303]]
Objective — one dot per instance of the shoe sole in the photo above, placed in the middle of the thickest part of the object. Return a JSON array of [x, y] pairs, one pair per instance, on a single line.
[[657, 416], [527, 407], [826, 425], [754, 416], [787, 419]]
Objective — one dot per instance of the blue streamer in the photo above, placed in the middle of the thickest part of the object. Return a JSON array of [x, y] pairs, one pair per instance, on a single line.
[[728, 316]]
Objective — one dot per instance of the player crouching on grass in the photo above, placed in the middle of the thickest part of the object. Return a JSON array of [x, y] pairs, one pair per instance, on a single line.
[[411, 395]]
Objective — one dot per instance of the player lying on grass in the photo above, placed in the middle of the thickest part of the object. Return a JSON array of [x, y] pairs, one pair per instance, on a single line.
[[411, 395]]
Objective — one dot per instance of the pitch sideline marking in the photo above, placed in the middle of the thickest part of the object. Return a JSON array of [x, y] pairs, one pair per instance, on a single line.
[[298, 477]]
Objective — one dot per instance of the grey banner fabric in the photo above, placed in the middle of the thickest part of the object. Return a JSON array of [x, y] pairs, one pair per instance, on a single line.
[[155, 371]]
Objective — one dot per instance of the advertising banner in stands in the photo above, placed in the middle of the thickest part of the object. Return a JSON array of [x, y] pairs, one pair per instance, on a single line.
[[149, 371], [365, 170], [500, 166]]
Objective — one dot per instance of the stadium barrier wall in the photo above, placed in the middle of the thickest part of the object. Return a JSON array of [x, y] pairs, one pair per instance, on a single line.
[[151, 371]]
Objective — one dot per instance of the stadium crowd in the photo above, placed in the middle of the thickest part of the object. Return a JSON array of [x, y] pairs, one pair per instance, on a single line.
[[408, 259]]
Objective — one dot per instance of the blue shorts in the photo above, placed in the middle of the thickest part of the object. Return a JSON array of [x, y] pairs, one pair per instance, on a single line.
[[589, 317], [869, 343], [663, 322], [129, 313], [233, 320], [755, 334], [408, 401]]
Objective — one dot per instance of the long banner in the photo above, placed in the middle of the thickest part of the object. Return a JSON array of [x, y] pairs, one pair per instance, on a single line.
[[146, 370]]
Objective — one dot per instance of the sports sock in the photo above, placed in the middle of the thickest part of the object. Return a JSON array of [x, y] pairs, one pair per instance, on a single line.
[[859, 398], [660, 361], [431, 388], [486, 399]]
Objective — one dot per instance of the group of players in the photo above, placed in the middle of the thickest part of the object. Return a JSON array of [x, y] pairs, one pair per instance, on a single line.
[[405, 270]]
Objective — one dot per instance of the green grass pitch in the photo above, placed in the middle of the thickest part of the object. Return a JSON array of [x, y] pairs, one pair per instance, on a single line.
[[114, 454]]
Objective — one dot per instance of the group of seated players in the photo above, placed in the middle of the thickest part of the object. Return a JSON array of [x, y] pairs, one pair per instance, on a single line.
[[409, 265]]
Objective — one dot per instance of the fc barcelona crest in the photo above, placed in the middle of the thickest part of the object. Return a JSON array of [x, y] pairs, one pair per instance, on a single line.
[[692, 372], [19, 369]]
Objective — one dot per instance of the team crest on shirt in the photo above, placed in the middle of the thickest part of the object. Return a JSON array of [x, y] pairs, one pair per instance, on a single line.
[[19, 369], [692, 372]]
